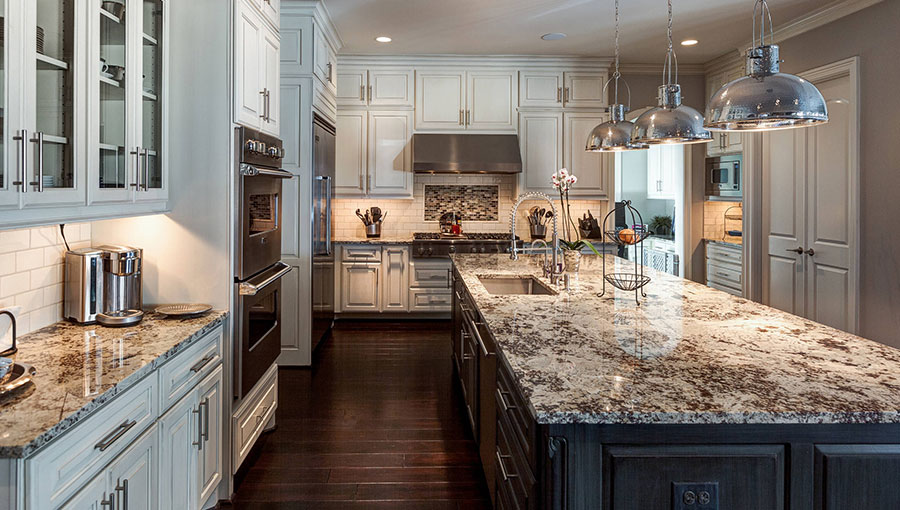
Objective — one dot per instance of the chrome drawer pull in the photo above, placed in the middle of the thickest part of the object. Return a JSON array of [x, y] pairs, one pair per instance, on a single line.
[[506, 406], [204, 435], [198, 366], [506, 475], [111, 438], [122, 485]]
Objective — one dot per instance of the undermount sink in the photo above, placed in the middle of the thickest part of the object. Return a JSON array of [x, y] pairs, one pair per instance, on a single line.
[[507, 285]]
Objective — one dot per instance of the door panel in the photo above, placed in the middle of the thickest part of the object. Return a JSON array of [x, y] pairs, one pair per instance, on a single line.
[[440, 100], [247, 45], [390, 155], [391, 87], [352, 87], [134, 474], [350, 171], [542, 154], [177, 454], [540, 89], [359, 287], [490, 101], [584, 90], [210, 465], [588, 166]]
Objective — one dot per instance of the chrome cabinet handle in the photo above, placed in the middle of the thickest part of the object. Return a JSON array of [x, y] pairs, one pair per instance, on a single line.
[[362, 92], [329, 67], [199, 412], [251, 289], [205, 434], [810, 252], [361, 186], [370, 93], [461, 117], [559, 95], [368, 182], [262, 115], [467, 117], [22, 138], [145, 167], [123, 487], [798, 250], [137, 168], [449, 277], [39, 140], [108, 503], [113, 436], [198, 366], [506, 475], [567, 95]]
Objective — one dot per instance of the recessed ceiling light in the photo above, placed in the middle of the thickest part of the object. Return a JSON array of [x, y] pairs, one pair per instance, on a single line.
[[383, 38], [553, 36], [689, 42]]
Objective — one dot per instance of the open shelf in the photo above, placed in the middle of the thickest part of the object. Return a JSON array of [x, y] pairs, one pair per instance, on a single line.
[[46, 63], [150, 96], [149, 40], [62, 140], [110, 147], [109, 81]]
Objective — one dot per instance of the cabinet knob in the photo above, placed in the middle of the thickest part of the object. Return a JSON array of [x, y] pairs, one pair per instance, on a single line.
[[798, 250], [810, 252]]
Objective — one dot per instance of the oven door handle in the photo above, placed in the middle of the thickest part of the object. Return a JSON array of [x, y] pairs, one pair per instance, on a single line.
[[251, 171], [251, 288]]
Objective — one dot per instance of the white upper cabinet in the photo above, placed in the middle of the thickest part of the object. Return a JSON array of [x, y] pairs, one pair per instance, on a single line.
[[664, 167], [324, 61], [378, 87], [591, 168], [540, 89], [271, 10], [584, 90], [350, 160], [723, 142], [440, 100], [389, 162], [256, 69], [490, 100], [541, 137], [456, 100]]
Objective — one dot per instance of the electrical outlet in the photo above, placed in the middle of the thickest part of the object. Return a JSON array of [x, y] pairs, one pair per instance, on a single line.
[[695, 496]]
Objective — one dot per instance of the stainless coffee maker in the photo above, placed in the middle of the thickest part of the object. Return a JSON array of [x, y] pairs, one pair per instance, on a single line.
[[122, 285]]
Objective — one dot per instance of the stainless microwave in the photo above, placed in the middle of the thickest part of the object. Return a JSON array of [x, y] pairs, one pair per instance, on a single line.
[[723, 178]]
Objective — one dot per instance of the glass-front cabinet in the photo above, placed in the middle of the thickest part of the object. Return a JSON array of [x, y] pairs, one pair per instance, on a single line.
[[82, 108]]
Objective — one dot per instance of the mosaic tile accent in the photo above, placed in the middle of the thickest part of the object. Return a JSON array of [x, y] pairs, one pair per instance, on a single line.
[[474, 203]]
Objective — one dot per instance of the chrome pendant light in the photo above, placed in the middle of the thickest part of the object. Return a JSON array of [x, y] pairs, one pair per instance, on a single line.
[[765, 99], [671, 122], [614, 135]]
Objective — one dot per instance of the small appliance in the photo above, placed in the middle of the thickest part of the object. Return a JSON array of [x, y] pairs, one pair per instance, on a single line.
[[723, 178], [83, 285], [122, 286]]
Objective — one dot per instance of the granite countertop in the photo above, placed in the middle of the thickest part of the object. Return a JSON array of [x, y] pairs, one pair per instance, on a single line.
[[79, 368], [384, 239], [688, 354]]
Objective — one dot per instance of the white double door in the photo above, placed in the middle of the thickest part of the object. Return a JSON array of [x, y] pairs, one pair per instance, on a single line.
[[810, 209]]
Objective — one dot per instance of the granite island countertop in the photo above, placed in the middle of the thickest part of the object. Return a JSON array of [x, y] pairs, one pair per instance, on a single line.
[[79, 368], [688, 354]]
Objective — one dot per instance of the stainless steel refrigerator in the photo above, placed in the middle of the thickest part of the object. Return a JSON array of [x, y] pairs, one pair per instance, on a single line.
[[322, 287]]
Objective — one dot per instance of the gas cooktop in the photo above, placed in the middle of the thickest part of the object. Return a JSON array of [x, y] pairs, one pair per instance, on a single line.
[[433, 244], [476, 236]]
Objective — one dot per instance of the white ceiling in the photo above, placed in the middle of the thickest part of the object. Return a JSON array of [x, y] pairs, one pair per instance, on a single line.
[[514, 27]]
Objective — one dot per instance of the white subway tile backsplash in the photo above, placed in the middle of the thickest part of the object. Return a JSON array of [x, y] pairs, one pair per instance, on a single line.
[[31, 271]]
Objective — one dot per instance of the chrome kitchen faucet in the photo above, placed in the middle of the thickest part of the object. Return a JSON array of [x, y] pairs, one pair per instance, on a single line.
[[553, 271]]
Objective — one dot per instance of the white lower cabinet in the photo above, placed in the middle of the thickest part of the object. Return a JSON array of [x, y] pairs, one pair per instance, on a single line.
[[140, 450], [395, 290], [359, 287], [190, 438]]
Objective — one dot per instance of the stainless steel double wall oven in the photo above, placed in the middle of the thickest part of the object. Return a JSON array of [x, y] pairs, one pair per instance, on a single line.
[[258, 265]]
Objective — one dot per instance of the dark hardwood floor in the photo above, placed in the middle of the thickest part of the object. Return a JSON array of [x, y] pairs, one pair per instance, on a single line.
[[377, 424]]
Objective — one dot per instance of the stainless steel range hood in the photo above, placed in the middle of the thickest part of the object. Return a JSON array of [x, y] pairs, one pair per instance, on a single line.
[[466, 154]]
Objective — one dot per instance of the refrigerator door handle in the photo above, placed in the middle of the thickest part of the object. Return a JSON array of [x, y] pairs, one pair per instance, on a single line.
[[327, 182]]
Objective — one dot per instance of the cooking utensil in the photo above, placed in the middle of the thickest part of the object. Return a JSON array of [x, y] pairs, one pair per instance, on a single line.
[[368, 217], [373, 230], [383, 216], [363, 218], [183, 309], [376, 214]]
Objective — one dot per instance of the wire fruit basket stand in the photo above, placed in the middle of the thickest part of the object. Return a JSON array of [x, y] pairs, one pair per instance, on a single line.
[[633, 281]]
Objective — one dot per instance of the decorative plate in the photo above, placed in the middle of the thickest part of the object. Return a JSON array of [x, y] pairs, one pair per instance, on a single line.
[[183, 309]]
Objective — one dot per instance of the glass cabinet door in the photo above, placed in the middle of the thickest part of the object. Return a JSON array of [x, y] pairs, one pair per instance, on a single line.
[[112, 165], [152, 95], [8, 168], [52, 166]]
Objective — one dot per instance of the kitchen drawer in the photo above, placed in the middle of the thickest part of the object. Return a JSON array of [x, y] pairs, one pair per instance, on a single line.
[[724, 288], [643, 477], [724, 275], [184, 371], [429, 300], [724, 254], [256, 410], [64, 466], [514, 477], [361, 253], [429, 274], [513, 407]]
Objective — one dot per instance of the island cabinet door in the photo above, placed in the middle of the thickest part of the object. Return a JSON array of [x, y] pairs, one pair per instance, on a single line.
[[857, 476], [738, 477]]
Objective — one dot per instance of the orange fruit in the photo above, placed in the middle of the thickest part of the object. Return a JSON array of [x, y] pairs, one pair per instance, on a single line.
[[627, 236]]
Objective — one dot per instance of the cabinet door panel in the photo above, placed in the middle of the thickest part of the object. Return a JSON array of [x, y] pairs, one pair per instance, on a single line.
[[490, 100], [269, 56], [391, 87], [90, 496], [389, 153], [856, 476], [440, 100], [133, 475], [352, 87], [540, 89], [248, 67], [210, 466], [541, 134], [178, 430], [591, 167], [359, 287], [396, 279], [585, 90], [350, 168]]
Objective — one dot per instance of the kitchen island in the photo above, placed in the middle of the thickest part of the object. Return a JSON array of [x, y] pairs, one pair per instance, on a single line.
[[597, 402]]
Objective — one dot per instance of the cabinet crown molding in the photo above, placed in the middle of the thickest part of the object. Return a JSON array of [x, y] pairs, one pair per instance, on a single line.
[[317, 10], [600, 64]]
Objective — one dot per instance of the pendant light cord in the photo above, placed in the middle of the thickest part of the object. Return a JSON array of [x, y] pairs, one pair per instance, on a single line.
[[671, 58], [764, 13], [617, 74]]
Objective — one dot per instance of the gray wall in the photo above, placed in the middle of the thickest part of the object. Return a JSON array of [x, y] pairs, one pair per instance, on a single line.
[[873, 35]]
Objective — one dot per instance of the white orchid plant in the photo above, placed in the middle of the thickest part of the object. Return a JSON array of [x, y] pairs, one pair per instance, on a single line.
[[562, 182]]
